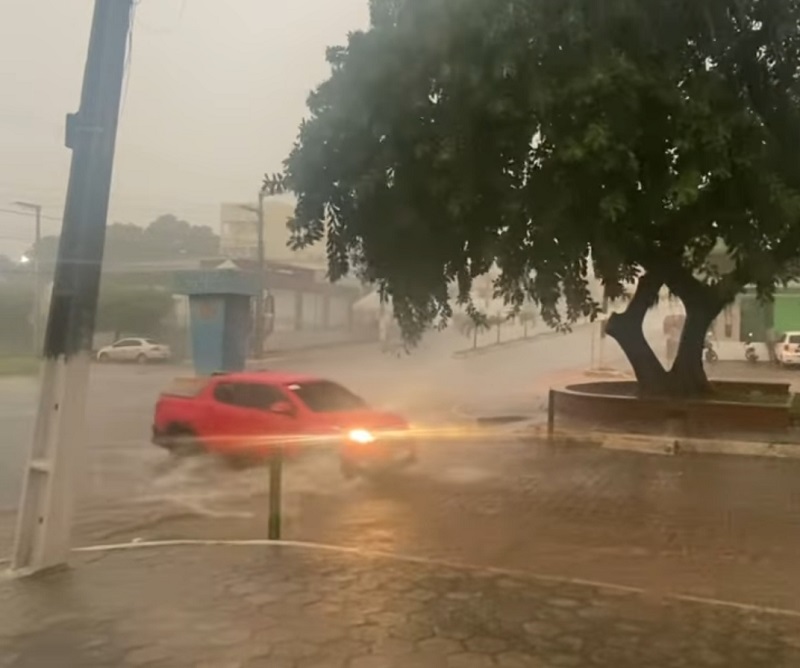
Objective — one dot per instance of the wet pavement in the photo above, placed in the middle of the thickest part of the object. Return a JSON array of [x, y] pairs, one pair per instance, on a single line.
[[725, 530], [427, 383], [122, 486], [293, 607], [717, 527]]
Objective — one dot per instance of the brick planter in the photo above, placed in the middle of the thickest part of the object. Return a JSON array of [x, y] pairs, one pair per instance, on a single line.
[[614, 404]]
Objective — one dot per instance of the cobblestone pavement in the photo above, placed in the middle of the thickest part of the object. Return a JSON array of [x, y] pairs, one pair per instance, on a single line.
[[290, 607], [716, 527]]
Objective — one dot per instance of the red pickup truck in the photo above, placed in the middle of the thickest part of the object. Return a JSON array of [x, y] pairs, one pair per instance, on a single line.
[[246, 416]]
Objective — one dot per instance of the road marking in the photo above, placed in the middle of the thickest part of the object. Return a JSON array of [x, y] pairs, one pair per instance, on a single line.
[[426, 561]]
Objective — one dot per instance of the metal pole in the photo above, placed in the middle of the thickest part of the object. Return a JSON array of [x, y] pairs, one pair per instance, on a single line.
[[551, 414], [275, 484], [37, 287], [37, 279], [45, 517], [259, 333], [601, 362]]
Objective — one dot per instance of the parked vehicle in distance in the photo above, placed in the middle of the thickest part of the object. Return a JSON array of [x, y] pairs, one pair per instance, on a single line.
[[787, 349], [750, 352], [710, 353], [246, 417], [137, 350]]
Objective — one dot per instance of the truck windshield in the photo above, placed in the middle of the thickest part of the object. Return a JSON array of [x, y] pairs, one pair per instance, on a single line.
[[323, 396]]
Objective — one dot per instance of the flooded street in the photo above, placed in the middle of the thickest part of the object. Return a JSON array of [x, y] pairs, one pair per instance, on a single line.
[[719, 528]]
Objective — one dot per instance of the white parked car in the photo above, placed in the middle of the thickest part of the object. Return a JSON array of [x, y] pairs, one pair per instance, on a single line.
[[141, 351], [787, 349]]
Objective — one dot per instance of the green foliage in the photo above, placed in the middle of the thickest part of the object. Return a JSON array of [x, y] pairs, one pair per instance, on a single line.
[[527, 317], [555, 139], [18, 366], [167, 238], [468, 326], [16, 307], [133, 310], [384, 13]]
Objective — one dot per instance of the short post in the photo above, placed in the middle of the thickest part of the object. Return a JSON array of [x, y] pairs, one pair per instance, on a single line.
[[275, 483], [551, 413]]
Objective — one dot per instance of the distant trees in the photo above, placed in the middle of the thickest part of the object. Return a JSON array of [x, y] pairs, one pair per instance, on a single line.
[[166, 238], [16, 334], [471, 326], [6, 264], [124, 310], [130, 304], [132, 310]]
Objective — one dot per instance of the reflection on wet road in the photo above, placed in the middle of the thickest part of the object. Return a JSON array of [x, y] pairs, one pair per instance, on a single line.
[[722, 528], [713, 527]]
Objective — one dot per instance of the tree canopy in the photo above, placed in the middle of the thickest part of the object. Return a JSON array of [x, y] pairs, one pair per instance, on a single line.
[[557, 139], [133, 310], [167, 238]]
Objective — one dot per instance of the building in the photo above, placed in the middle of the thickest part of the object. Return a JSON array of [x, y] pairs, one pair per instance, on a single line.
[[308, 308], [239, 234]]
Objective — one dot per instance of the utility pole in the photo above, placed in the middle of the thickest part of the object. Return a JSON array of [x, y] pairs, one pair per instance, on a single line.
[[37, 277], [45, 517], [271, 185], [603, 324], [262, 268]]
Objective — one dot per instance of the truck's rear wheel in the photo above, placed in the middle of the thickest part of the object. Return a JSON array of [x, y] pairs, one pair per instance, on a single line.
[[182, 441]]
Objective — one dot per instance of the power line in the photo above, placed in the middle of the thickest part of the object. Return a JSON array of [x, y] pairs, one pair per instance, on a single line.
[[28, 215], [164, 30]]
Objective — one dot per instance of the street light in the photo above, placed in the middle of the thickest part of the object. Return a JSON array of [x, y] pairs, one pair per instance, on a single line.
[[270, 186], [36, 209]]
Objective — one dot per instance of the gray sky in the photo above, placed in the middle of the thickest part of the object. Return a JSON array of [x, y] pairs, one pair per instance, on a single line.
[[215, 93]]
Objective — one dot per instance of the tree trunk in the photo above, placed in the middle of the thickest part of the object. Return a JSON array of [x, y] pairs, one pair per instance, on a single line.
[[687, 377], [626, 329]]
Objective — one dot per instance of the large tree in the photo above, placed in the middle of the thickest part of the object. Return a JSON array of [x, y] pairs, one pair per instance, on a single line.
[[556, 139]]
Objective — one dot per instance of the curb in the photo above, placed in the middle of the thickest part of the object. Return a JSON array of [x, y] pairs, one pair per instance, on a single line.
[[662, 445], [494, 347], [275, 354], [608, 373]]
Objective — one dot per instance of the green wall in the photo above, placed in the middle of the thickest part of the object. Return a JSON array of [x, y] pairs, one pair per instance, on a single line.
[[755, 317], [787, 312]]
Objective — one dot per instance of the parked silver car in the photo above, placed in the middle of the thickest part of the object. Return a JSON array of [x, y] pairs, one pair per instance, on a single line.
[[136, 350]]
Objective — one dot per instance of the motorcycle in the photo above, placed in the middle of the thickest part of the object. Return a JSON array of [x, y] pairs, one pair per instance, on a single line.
[[750, 352], [710, 354]]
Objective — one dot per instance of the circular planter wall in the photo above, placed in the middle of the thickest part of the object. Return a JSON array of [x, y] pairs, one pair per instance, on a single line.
[[738, 407]]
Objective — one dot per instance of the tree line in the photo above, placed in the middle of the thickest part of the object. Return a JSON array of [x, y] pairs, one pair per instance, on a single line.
[[129, 304], [165, 239], [122, 310]]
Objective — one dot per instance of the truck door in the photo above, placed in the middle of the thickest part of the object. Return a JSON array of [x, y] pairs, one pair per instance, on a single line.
[[243, 419]]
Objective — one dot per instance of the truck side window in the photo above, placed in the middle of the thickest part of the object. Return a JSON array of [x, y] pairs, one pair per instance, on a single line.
[[224, 393], [248, 395], [262, 397]]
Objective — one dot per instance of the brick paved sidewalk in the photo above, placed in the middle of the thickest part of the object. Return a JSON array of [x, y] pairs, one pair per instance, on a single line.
[[282, 606]]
